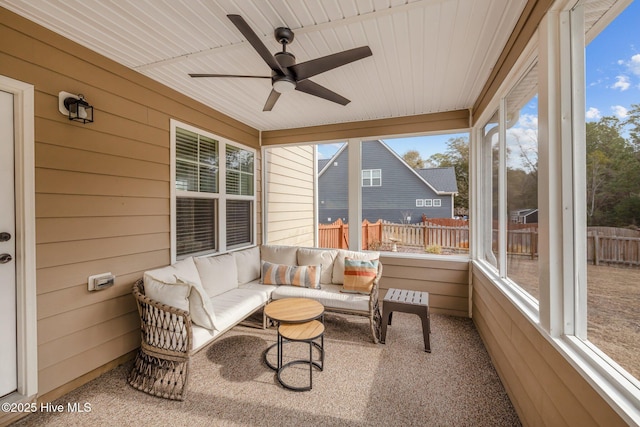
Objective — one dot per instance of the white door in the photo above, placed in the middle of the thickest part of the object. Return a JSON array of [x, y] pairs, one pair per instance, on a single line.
[[8, 334]]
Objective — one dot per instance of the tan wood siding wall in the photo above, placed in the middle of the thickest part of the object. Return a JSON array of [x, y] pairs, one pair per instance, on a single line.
[[102, 193], [544, 388], [290, 201], [447, 281]]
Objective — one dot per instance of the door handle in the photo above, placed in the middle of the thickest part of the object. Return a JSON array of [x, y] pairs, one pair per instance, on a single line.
[[5, 258], [5, 237]]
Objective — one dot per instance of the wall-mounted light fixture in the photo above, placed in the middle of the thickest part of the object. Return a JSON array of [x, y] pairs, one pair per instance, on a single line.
[[75, 107]]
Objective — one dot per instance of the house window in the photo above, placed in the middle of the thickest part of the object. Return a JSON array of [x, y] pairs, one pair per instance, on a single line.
[[437, 203], [371, 177], [419, 203], [511, 161], [213, 205], [428, 203]]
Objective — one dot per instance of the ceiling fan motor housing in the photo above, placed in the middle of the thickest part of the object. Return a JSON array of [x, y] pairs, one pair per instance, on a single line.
[[283, 35]]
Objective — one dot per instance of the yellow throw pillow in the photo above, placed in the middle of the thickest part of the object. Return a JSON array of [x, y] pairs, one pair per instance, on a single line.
[[306, 276], [359, 275]]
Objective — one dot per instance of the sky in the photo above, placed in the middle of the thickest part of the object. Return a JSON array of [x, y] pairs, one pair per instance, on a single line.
[[613, 67], [612, 86]]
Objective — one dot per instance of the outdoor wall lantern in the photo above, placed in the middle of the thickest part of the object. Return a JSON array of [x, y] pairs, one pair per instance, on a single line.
[[75, 106]]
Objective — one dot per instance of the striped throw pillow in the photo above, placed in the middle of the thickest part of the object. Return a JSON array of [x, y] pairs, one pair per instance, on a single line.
[[359, 275], [306, 276]]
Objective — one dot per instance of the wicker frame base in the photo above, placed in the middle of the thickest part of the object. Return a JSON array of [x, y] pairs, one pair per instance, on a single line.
[[164, 376]]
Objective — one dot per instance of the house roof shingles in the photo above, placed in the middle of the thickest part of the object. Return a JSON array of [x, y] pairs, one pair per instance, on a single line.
[[442, 179]]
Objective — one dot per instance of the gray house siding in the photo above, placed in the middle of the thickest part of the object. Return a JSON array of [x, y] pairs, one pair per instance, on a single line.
[[392, 201]]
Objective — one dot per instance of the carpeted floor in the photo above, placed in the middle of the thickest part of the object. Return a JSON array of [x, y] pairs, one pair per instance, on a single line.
[[363, 384]]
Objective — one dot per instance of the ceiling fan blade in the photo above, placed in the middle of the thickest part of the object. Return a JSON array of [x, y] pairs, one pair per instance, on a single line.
[[313, 67], [307, 86], [271, 100], [255, 41], [195, 75]]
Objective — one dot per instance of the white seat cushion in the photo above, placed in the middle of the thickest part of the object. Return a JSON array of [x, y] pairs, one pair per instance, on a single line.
[[233, 306], [329, 296]]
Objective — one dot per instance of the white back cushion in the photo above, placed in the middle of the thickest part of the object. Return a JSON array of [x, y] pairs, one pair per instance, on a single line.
[[217, 273], [185, 269], [248, 264], [284, 255], [172, 294], [324, 257]]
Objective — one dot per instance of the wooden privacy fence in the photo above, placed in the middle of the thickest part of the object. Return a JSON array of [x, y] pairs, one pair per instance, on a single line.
[[336, 235], [605, 245], [608, 249], [427, 234]]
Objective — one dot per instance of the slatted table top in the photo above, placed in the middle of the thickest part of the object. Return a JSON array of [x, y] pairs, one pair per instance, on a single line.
[[301, 331], [407, 297], [294, 310]]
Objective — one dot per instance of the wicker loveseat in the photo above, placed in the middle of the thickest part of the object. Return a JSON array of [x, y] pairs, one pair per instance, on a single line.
[[186, 306]]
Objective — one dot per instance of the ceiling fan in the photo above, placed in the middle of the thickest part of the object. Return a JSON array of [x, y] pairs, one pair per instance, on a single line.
[[286, 75]]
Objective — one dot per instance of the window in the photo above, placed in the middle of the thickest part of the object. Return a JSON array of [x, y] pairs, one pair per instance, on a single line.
[[419, 203], [437, 203], [489, 163], [214, 211], [584, 187], [372, 178], [610, 158], [521, 173], [511, 166], [428, 203]]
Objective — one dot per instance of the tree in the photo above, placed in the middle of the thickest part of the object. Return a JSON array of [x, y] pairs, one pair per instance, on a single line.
[[613, 174], [456, 156], [413, 159], [633, 122]]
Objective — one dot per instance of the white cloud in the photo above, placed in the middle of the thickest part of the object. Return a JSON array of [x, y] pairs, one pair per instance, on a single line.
[[621, 83], [593, 114], [619, 111], [634, 64]]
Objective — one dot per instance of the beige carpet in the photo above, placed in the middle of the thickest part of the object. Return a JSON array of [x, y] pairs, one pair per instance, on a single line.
[[363, 384]]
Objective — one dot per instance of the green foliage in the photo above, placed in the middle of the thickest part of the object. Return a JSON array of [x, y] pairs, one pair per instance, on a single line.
[[413, 159], [433, 249], [456, 156], [613, 171]]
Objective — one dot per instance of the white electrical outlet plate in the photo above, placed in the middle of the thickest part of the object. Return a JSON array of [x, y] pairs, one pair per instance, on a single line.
[[100, 281]]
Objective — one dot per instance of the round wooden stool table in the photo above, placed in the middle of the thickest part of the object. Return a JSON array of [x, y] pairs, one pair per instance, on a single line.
[[306, 332], [292, 311]]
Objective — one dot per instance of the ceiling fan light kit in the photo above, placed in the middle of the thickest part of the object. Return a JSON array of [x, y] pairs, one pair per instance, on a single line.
[[286, 75], [284, 85]]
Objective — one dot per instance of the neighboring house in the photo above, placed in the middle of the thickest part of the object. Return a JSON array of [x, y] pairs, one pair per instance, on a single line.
[[524, 216], [391, 189]]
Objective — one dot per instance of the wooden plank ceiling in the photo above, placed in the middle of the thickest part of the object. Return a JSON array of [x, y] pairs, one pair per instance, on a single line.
[[429, 56]]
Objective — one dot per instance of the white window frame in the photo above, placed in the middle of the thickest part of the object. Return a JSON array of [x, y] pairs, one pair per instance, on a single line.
[[221, 196], [371, 178], [428, 203], [437, 203], [419, 203], [560, 314]]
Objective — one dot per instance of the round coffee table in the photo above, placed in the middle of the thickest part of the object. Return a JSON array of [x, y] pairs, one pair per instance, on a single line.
[[288, 311], [294, 310]]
